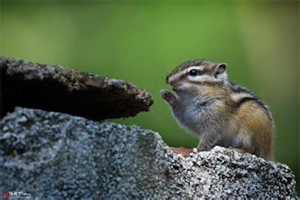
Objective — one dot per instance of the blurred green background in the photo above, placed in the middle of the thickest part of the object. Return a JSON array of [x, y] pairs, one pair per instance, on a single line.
[[142, 41]]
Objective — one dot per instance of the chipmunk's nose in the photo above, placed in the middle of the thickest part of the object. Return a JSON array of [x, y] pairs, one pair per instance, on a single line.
[[167, 79], [170, 79]]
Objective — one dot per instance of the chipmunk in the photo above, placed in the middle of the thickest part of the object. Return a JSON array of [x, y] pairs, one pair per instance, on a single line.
[[221, 112]]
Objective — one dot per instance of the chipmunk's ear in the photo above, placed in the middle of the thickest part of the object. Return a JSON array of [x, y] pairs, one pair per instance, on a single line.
[[220, 69]]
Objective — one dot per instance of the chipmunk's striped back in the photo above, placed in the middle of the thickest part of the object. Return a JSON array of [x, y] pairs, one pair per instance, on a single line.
[[241, 95]]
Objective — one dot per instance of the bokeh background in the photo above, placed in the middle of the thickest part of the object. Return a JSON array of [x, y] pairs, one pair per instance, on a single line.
[[142, 41]]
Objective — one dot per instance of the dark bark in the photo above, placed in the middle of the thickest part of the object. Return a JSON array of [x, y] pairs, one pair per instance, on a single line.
[[54, 88]]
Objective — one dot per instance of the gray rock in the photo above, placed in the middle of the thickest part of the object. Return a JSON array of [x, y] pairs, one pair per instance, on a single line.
[[55, 88], [58, 156]]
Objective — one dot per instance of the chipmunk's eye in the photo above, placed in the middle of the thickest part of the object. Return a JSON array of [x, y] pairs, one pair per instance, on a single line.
[[193, 72]]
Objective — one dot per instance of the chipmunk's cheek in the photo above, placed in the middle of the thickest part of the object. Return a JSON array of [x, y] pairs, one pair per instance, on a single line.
[[178, 88]]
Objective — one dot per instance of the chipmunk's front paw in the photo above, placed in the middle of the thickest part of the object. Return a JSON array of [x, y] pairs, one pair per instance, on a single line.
[[168, 97]]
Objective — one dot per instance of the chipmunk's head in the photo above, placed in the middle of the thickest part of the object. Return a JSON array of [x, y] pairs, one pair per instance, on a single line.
[[191, 74]]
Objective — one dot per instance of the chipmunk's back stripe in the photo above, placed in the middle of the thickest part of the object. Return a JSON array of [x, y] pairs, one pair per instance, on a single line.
[[258, 101], [248, 96], [238, 89]]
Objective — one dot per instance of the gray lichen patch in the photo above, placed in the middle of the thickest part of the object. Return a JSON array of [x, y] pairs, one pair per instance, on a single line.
[[55, 88], [67, 157]]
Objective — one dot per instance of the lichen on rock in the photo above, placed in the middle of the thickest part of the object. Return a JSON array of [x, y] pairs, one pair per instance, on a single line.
[[58, 156]]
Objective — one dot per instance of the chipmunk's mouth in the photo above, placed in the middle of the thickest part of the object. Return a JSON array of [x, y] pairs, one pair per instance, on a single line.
[[177, 88], [177, 91]]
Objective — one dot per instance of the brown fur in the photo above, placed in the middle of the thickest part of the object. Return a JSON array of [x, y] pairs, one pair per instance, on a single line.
[[255, 122]]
